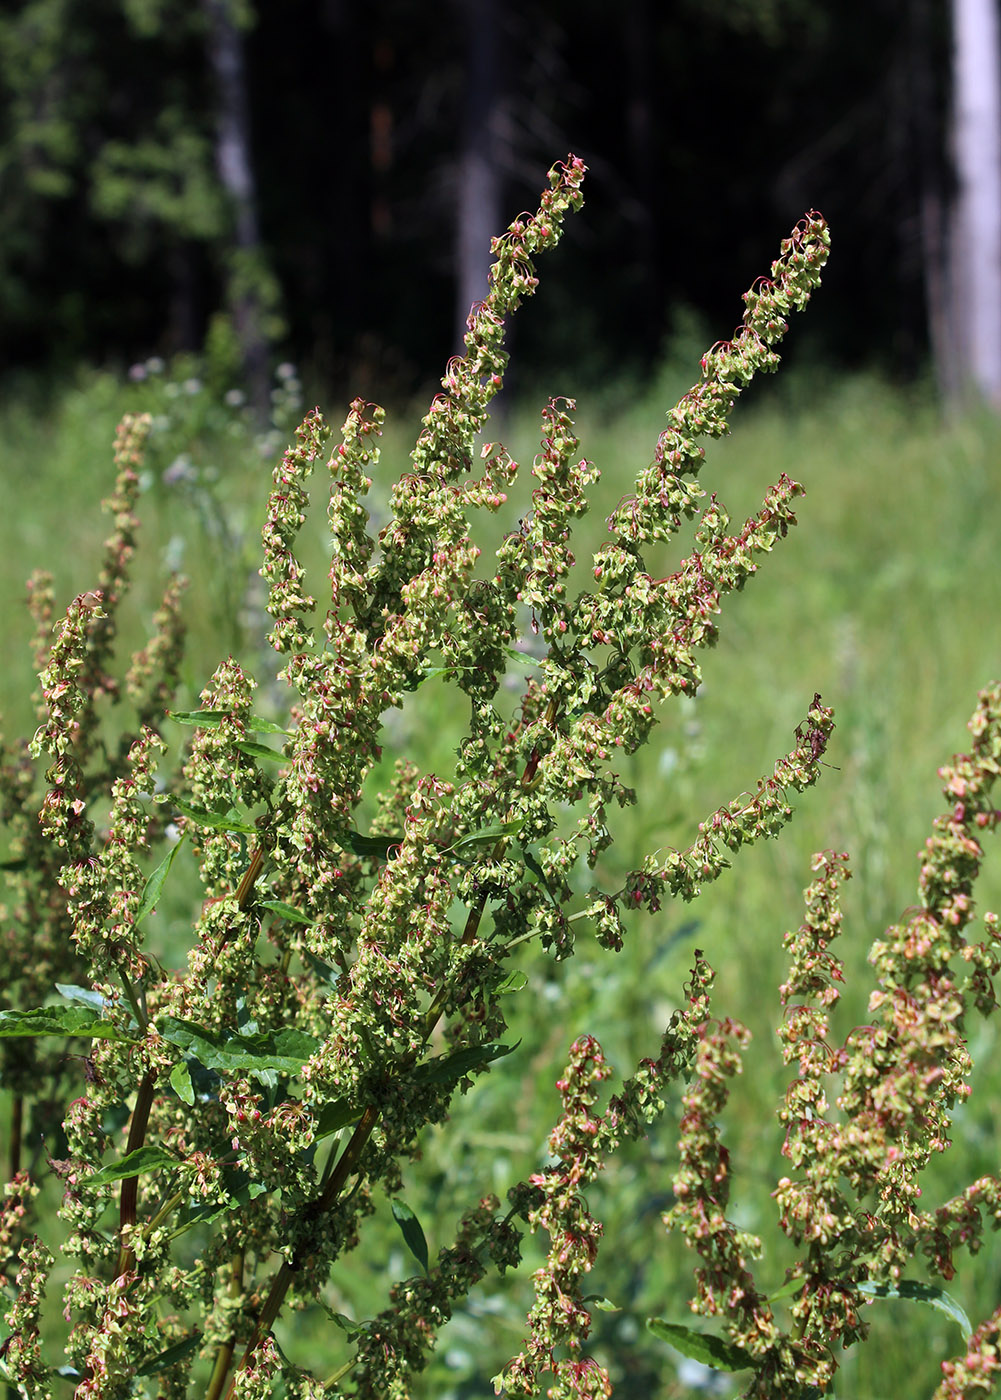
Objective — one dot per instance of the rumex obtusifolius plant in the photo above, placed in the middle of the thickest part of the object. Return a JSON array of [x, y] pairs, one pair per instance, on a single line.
[[342, 985]]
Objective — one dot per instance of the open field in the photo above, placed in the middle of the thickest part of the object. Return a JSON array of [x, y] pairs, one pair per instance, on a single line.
[[886, 600]]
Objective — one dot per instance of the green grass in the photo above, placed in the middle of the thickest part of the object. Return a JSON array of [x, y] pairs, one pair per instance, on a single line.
[[885, 600]]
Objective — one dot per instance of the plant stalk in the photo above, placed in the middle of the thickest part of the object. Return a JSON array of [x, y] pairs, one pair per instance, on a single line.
[[130, 1186], [224, 1356]]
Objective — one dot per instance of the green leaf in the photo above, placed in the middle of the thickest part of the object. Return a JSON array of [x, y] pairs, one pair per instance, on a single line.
[[909, 1290], [531, 663], [410, 1228], [171, 1356], [372, 847], [332, 1117], [59, 1020], [154, 885], [595, 1300], [515, 981], [205, 719], [353, 1329], [180, 1082], [144, 1159], [487, 835], [449, 1069], [97, 1001], [213, 821], [268, 1053], [326, 973], [264, 751], [285, 911], [791, 1286], [430, 672], [211, 719], [257, 725], [537, 870], [716, 1352]]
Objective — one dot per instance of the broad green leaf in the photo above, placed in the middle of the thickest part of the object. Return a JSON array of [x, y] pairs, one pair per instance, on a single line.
[[374, 847], [332, 1117], [487, 835], [449, 1069], [180, 1082], [171, 1356], [281, 1052], [59, 1020], [285, 911], [154, 885], [211, 719], [144, 1159], [213, 821], [791, 1286], [716, 1352], [410, 1228], [263, 751], [97, 1001], [911, 1291]]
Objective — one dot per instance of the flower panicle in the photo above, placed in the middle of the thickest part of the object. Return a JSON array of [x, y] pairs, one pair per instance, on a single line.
[[661, 496], [154, 674], [559, 1318], [352, 547], [288, 603], [748, 818], [428, 519]]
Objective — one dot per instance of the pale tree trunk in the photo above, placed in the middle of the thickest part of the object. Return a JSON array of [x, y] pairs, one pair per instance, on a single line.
[[236, 172], [479, 177], [975, 242], [932, 184]]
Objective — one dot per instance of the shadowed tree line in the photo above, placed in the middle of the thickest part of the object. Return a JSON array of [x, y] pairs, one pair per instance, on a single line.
[[328, 173]]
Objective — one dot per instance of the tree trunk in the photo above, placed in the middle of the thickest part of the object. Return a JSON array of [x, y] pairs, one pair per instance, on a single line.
[[479, 178], [974, 288], [235, 167]]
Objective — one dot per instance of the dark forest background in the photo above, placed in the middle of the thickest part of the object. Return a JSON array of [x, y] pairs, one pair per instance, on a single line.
[[328, 172]]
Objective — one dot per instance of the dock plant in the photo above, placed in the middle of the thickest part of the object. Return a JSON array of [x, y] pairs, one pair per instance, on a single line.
[[229, 1113]]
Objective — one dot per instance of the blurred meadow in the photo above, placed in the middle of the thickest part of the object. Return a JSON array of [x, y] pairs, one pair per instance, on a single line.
[[883, 600]]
